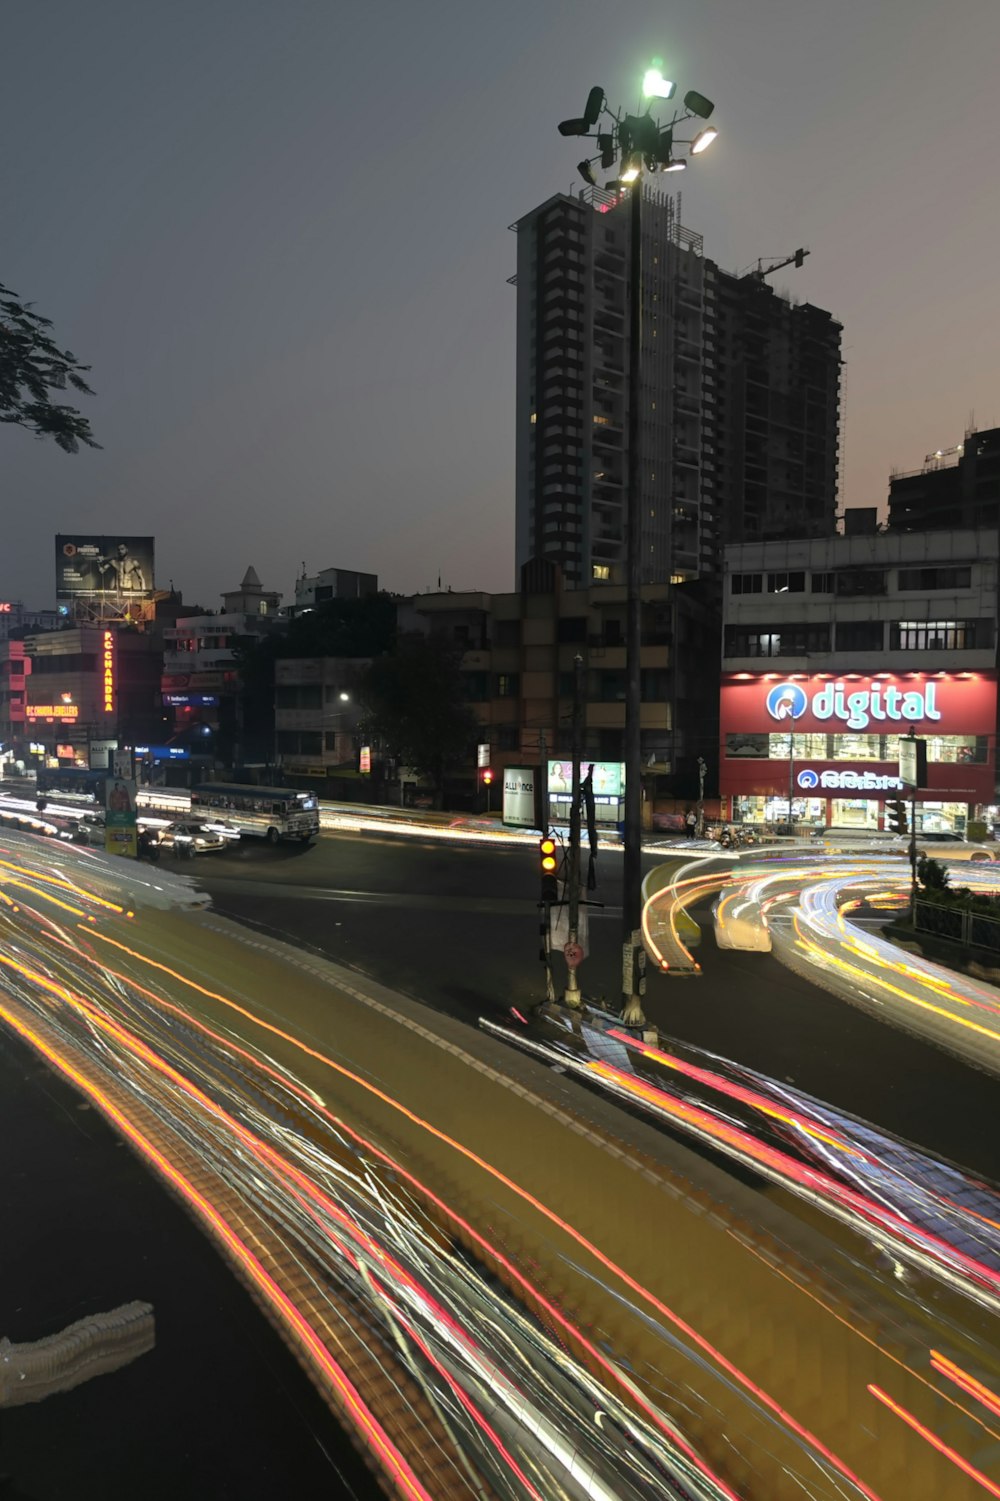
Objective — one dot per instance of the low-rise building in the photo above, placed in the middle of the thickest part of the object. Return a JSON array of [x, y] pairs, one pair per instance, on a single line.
[[316, 714], [331, 583], [200, 685], [518, 652], [833, 648], [88, 688], [15, 619]]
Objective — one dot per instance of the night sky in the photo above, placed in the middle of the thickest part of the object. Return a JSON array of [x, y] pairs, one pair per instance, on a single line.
[[277, 230]]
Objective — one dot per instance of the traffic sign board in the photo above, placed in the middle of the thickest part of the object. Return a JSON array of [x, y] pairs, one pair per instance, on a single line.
[[573, 954]]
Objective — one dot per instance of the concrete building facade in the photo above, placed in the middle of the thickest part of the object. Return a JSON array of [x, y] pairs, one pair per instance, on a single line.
[[739, 417], [832, 649], [957, 487]]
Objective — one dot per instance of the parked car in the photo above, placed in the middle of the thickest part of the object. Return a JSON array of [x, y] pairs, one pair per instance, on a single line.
[[187, 839]]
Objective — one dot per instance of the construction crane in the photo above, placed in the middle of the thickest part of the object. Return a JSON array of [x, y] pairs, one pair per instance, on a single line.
[[944, 453], [765, 268]]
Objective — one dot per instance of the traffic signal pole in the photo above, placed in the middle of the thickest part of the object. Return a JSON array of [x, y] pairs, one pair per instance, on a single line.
[[571, 952], [913, 856]]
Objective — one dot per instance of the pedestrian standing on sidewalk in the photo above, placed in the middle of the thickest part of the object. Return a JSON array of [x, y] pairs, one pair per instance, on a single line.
[[692, 822]]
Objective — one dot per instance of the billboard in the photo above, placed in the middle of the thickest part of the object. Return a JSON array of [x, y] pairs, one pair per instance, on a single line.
[[120, 837], [114, 567], [609, 779], [521, 786]]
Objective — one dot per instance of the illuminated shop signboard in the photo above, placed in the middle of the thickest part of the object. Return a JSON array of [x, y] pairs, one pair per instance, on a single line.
[[946, 703], [857, 708], [847, 781], [108, 672], [52, 711]]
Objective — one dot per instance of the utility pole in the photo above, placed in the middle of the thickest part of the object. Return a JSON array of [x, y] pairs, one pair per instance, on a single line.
[[573, 952], [702, 768], [544, 773]]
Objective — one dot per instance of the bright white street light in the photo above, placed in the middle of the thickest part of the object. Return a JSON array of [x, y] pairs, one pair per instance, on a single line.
[[630, 170], [655, 86], [345, 698], [703, 140]]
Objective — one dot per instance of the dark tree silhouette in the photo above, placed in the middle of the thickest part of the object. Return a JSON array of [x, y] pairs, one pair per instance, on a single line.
[[31, 367], [416, 706]]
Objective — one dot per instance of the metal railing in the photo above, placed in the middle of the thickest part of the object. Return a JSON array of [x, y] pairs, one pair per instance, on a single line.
[[973, 929]]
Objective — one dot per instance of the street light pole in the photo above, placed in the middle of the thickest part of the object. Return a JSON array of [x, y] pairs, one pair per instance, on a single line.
[[643, 144], [632, 983]]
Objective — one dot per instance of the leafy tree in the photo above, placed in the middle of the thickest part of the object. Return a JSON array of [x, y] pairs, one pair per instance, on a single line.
[[415, 703], [932, 875], [31, 367]]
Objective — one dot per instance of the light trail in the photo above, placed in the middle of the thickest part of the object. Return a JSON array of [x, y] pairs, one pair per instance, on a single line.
[[383, 1446], [530, 1199], [969, 1384], [937, 1443]]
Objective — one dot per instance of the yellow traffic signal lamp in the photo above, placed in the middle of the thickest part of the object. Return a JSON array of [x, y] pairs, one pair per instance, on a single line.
[[487, 777], [548, 864]]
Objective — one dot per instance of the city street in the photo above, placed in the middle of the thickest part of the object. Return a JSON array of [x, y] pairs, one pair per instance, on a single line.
[[455, 926]]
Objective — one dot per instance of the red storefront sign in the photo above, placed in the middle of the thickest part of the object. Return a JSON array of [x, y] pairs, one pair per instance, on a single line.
[[926, 704]]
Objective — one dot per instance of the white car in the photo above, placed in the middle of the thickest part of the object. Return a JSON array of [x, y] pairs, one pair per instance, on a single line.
[[941, 846], [188, 838]]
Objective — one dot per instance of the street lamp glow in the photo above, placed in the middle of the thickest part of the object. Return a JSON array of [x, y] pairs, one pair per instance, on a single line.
[[703, 140], [630, 171], [345, 698], [655, 86], [675, 166]]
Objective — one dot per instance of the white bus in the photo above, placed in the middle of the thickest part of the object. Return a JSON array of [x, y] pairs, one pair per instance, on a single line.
[[271, 813]]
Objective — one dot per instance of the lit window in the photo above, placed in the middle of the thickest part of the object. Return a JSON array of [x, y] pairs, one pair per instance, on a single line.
[[600, 421], [533, 418], [602, 572]]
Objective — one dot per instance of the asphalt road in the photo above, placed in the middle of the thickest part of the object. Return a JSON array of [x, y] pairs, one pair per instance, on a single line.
[[455, 926]]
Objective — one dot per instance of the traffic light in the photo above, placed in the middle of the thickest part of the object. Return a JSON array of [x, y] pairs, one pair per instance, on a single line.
[[548, 864], [895, 813], [487, 776]]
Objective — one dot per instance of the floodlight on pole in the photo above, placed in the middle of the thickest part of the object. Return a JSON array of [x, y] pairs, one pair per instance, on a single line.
[[638, 142], [586, 171], [593, 106], [655, 86], [698, 104]]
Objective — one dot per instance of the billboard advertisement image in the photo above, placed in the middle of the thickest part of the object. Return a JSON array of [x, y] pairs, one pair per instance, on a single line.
[[609, 778], [113, 566], [120, 837]]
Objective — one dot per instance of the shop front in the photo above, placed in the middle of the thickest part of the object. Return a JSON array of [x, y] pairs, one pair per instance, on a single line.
[[830, 743]]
